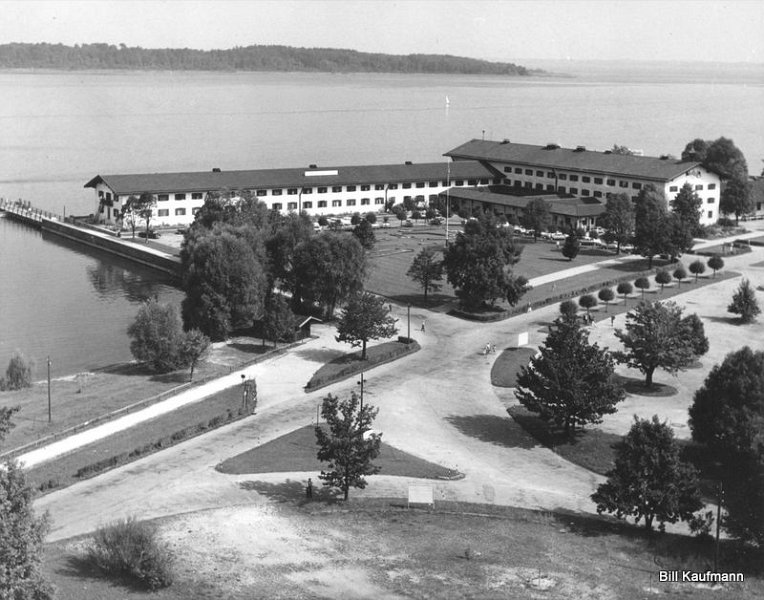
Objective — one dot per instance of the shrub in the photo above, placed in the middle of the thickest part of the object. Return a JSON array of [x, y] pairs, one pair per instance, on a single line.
[[587, 301], [679, 274], [662, 278], [606, 295], [744, 303], [18, 375], [624, 288], [697, 268], [568, 308], [643, 283], [131, 549], [715, 263]]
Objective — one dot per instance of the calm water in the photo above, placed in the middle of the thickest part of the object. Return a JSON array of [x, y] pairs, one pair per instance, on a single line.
[[61, 129]]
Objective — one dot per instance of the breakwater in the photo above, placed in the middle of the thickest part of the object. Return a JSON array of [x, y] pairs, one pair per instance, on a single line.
[[102, 240]]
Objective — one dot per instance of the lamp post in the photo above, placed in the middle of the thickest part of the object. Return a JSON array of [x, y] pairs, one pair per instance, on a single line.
[[50, 417], [408, 319], [361, 382]]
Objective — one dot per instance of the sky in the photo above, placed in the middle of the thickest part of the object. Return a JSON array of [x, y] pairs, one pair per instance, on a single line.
[[503, 30]]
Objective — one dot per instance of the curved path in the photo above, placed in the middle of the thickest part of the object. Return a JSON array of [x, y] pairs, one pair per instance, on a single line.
[[437, 403]]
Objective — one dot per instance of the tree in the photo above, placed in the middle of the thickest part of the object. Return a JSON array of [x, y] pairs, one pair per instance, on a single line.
[[18, 374], [618, 219], [430, 213], [365, 234], [535, 216], [355, 219], [587, 301], [400, 212], [371, 217], [744, 303], [416, 215], [157, 337], [570, 382], [329, 269], [624, 150], [606, 295], [284, 234], [697, 268], [642, 283], [656, 336], [194, 347], [736, 198], [652, 227], [365, 318], [662, 278], [409, 204], [726, 159], [6, 424], [224, 279], [141, 207], [697, 333], [715, 263], [649, 480], [571, 247], [686, 206], [568, 309], [279, 322], [479, 264], [679, 274], [695, 150], [426, 271], [624, 288], [129, 215], [349, 446], [744, 499]]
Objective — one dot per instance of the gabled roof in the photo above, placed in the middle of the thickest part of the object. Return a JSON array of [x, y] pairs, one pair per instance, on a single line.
[[559, 205], [573, 159], [160, 183]]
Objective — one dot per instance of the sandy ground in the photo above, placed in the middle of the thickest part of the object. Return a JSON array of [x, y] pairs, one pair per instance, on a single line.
[[438, 404]]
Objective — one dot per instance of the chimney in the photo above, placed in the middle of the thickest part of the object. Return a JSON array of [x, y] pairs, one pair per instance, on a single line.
[[313, 167], [580, 149], [215, 169], [408, 162]]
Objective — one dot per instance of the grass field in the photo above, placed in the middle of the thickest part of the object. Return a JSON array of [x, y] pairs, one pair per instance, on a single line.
[[378, 549]]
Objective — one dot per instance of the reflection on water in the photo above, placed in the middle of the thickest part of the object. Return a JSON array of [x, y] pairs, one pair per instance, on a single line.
[[65, 300]]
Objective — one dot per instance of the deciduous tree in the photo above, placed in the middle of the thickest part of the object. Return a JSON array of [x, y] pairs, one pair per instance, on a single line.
[[365, 234], [715, 263], [347, 443], [606, 295], [279, 322], [587, 301], [427, 271], [649, 481], [656, 336], [697, 268], [662, 278], [652, 227], [744, 303], [365, 318], [195, 346], [736, 198], [618, 220], [535, 216], [571, 382], [642, 283], [157, 336], [679, 274], [624, 288], [686, 206], [18, 374], [571, 247], [568, 309]]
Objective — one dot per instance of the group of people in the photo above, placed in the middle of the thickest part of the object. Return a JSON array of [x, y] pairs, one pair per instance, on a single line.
[[489, 347]]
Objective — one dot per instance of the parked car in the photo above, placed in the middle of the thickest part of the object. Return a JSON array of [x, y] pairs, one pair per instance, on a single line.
[[152, 234], [408, 223], [437, 221], [558, 236], [592, 243]]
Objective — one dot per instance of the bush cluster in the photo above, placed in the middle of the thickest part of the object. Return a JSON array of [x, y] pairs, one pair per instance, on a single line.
[[18, 375], [164, 442], [131, 549]]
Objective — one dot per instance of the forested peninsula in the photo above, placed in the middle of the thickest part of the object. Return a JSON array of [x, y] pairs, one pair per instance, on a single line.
[[249, 58]]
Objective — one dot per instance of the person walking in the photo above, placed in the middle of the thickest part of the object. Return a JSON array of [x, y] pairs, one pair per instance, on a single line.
[[423, 322], [612, 320], [493, 348]]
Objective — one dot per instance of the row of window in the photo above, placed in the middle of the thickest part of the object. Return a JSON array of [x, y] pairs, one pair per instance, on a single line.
[[179, 212], [166, 197], [698, 187]]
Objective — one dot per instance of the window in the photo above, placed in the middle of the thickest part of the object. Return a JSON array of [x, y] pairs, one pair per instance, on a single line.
[[539, 186], [472, 182], [351, 202], [180, 212], [350, 188], [710, 201], [321, 190], [291, 205], [518, 183], [563, 177], [305, 205], [698, 187], [197, 196], [539, 173], [528, 185], [405, 198], [392, 186], [507, 169], [597, 194], [336, 202], [365, 201], [180, 196], [261, 192], [585, 193], [292, 191], [379, 200], [420, 184], [391, 200], [518, 171], [635, 185], [336, 188], [307, 190], [586, 179], [598, 180], [634, 198], [711, 186], [710, 214], [406, 186], [574, 191], [459, 182], [196, 210], [673, 188], [365, 188], [163, 212], [623, 184], [379, 186], [550, 174], [529, 171], [433, 198], [277, 206], [561, 189], [321, 203], [483, 182], [550, 188], [433, 184], [163, 197], [574, 177], [276, 192]]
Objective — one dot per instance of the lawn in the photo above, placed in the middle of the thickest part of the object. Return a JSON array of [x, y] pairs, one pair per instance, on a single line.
[[379, 549], [296, 451], [507, 366]]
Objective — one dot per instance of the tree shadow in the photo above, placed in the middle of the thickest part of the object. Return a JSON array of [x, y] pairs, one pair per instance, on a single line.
[[78, 566], [500, 431], [251, 348], [134, 368], [417, 300], [292, 491], [174, 377], [319, 355], [636, 386]]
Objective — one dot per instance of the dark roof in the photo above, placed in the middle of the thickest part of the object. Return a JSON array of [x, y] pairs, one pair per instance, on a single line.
[[560, 205], [157, 183], [589, 161]]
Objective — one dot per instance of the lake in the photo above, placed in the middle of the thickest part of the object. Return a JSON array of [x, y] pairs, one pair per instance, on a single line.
[[59, 129]]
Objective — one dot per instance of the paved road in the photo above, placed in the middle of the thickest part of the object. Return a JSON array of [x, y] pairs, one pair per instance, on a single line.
[[438, 404]]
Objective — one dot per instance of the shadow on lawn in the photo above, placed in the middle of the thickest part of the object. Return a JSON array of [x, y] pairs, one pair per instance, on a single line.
[[493, 429], [319, 355], [291, 491], [251, 348], [636, 386], [79, 567]]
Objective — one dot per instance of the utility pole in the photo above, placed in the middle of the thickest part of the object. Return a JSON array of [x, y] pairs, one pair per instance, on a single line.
[[361, 382], [408, 314], [50, 417]]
